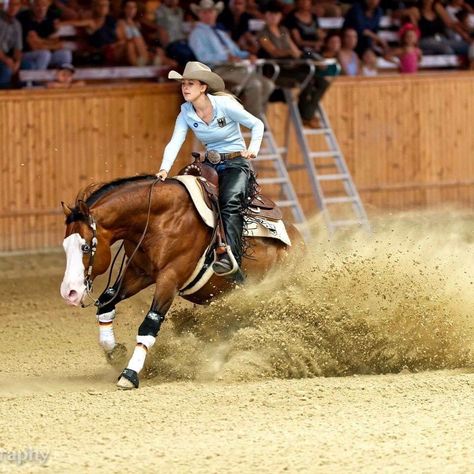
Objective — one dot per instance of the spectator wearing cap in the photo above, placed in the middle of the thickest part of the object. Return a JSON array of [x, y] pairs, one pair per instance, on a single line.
[[277, 44], [41, 48], [64, 78], [364, 17], [10, 43], [215, 48]]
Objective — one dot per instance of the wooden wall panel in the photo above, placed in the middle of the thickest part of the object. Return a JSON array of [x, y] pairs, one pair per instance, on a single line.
[[408, 142]]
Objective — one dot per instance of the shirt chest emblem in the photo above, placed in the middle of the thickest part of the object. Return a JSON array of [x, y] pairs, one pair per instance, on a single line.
[[221, 122]]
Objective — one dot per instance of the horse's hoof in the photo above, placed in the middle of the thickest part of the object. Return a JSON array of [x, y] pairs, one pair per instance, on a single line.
[[117, 356], [128, 379]]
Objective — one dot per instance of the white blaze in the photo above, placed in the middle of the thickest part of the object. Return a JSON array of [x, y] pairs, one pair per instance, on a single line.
[[72, 286]]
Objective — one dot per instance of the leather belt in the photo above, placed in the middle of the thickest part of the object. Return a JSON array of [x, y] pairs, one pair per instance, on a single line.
[[216, 157]]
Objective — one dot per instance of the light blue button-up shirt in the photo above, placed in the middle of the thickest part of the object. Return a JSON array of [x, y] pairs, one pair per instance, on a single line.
[[209, 49], [221, 134]]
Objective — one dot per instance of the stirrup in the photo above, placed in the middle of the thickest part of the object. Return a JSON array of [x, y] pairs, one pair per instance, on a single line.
[[235, 265]]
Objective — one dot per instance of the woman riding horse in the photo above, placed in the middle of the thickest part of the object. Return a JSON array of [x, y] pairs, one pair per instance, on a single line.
[[215, 117]]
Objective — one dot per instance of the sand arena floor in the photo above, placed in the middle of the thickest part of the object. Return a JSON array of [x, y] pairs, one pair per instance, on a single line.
[[357, 360]]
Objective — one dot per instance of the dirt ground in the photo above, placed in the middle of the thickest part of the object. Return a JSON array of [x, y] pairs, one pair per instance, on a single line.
[[359, 359]]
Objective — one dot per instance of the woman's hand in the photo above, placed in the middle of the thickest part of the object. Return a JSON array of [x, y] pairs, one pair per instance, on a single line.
[[248, 154], [162, 174]]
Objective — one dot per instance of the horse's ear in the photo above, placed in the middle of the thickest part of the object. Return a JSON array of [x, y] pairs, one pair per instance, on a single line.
[[83, 208], [66, 209]]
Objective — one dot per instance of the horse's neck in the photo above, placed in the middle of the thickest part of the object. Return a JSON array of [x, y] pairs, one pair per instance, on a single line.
[[126, 209]]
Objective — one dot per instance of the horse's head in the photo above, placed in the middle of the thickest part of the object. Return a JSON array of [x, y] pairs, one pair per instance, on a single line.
[[87, 253]]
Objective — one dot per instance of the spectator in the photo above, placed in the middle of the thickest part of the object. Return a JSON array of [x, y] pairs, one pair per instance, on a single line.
[[136, 51], [369, 63], [350, 63], [433, 21], [65, 78], [102, 33], [41, 48], [170, 17], [331, 46], [364, 17], [235, 20], [214, 47], [276, 43], [304, 27], [10, 43], [409, 54]]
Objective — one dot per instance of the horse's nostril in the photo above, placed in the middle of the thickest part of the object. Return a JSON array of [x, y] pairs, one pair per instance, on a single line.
[[72, 294]]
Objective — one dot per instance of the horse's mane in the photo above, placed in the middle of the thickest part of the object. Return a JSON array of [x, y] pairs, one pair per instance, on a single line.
[[93, 192]]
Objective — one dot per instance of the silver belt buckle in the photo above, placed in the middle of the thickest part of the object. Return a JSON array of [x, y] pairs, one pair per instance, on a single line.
[[213, 156]]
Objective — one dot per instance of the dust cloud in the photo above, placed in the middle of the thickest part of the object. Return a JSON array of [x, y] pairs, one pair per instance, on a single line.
[[399, 300]]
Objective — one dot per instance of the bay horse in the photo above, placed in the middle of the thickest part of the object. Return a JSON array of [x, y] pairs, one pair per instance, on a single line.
[[160, 226]]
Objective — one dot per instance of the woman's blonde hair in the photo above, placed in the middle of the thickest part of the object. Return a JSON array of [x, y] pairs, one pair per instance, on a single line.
[[222, 93]]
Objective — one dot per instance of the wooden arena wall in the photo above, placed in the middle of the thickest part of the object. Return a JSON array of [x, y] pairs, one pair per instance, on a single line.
[[408, 142]]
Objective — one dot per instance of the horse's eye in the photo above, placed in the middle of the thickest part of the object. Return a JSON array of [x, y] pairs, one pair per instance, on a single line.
[[86, 248]]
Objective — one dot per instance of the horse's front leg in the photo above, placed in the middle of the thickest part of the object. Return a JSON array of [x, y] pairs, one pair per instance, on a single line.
[[166, 290], [133, 281]]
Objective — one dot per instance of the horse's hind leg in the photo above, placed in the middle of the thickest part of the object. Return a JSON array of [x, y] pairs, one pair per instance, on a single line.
[[148, 330]]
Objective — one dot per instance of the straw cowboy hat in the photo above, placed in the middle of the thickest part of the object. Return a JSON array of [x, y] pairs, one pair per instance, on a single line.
[[199, 72], [206, 5]]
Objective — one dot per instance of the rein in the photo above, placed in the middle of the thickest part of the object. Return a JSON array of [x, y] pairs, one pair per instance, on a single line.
[[92, 250]]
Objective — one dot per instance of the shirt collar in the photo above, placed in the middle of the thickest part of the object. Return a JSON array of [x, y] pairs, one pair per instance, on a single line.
[[195, 116]]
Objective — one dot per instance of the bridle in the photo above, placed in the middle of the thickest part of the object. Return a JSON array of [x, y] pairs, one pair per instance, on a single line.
[[91, 250]]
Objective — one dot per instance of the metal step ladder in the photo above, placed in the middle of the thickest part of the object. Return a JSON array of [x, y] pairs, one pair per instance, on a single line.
[[271, 170], [331, 182]]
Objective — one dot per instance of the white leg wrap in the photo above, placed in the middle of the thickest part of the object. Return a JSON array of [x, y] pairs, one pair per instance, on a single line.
[[106, 330], [137, 361]]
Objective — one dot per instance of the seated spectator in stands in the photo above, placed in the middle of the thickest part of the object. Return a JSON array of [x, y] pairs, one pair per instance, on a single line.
[[434, 22], [304, 27], [102, 36], [10, 43], [350, 62], [276, 43], [41, 48], [235, 20], [65, 78], [215, 48], [331, 46], [170, 17], [364, 17], [136, 51], [369, 63]]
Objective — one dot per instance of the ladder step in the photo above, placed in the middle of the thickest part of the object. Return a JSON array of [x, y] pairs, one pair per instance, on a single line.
[[347, 222], [272, 180], [324, 154], [339, 199], [316, 131], [332, 177], [286, 203], [266, 157]]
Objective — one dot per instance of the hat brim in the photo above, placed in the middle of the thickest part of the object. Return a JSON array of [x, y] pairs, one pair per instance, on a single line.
[[214, 81], [195, 8]]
